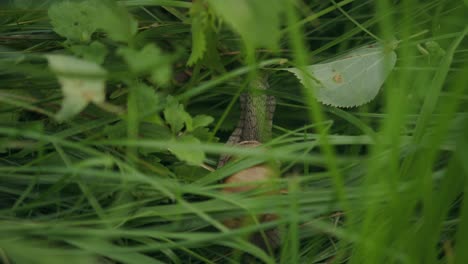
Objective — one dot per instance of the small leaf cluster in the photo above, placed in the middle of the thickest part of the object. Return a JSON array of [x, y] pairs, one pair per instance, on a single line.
[[257, 26], [102, 37]]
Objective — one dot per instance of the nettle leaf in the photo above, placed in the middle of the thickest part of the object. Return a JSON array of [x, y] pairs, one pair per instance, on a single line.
[[175, 115], [81, 82], [149, 60], [351, 79], [199, 23], [148, 102], [204, 134], [257, 22], [74, 20], [201, 121], [96, 51], [77, 21], [116, 21], [192, 155]]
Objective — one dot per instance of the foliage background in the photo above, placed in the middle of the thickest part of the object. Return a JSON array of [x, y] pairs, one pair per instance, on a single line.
[[129, 180]]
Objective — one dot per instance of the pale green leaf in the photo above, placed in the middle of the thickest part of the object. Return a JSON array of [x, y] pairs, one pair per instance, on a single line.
[[116, 21], [79, 20], [96, 51], [81, 82], [352, 79], [162, 74], [192, 155], [149, 60], [73, 20], [141, 61], [257, 22]]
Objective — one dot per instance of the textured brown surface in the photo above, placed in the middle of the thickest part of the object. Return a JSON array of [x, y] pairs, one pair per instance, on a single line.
[[249, 179], [254, 127], [256, 117]]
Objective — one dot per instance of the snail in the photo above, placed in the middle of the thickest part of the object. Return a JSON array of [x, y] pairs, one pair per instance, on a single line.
[[258, 176]]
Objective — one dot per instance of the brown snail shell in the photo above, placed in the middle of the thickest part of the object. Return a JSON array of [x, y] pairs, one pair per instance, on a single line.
[[250, 179], [257, 175]]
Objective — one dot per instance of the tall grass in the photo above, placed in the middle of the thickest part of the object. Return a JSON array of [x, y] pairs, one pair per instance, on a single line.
[[381, 183]]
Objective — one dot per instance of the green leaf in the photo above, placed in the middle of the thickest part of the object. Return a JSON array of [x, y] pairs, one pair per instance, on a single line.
[[81, 82], [77, 21], [115, 131], [116, 21], [201, 121], [212, 59], [162, 74], [96, 51], [153, 131], [192, 155], [73, 20], [175, 115], [148, 102], [149, 60], [257, 22], [352, 79], [204, 134], [188, 173], [199, 24]]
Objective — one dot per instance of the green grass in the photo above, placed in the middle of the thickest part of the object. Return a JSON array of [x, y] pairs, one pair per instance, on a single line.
[[122, 182]]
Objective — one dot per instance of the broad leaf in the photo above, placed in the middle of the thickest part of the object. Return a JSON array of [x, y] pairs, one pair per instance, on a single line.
[[81, 81], [201, 121], [96, 51], [352, 79], [149, 60], [192, 155], [77, 21], [116, 21], [256, 21], [74, 20]]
